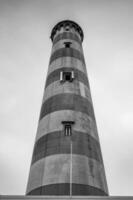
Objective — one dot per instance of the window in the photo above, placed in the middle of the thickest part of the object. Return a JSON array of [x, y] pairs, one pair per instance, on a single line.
[[67, 44], [67, 28], [68, 131], [67, 127], [67, 76]]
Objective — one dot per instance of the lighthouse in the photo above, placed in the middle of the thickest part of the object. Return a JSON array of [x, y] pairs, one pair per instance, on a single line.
[[67, 158]]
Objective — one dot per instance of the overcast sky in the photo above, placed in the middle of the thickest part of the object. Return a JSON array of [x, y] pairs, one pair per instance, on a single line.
[[25, 48]]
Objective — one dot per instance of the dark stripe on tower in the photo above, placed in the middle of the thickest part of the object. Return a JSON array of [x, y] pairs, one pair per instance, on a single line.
[[67, 101], [57, 143], [64, 189], [55, 76], [67, 35], [64, 52]]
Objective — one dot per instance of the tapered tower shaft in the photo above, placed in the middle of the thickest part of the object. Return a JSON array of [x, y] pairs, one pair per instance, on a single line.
[[67, 158]]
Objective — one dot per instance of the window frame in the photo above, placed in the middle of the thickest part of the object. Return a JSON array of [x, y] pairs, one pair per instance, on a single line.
[[64, 74], [67, 130], [67, 44], [68, 127]]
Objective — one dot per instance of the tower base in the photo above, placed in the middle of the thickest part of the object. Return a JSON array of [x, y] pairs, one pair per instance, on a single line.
[[16, 197]]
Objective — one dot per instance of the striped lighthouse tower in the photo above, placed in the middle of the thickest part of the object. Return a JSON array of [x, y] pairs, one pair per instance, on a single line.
[[67, 158]]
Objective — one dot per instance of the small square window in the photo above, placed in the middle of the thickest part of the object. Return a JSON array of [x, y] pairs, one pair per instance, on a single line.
[[68, 131], [67, 44], [67, 127], [67, 76], [67, 28]]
